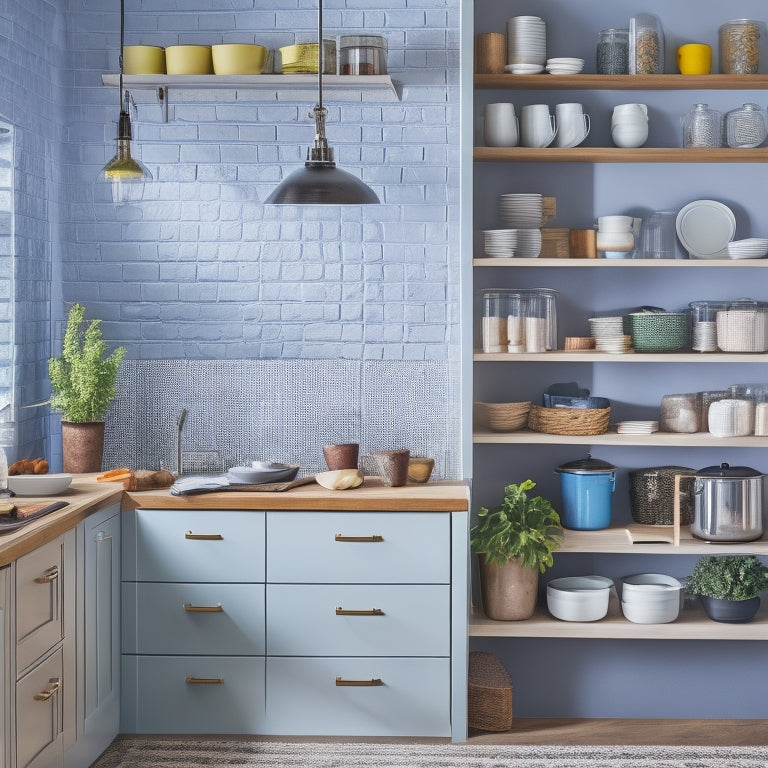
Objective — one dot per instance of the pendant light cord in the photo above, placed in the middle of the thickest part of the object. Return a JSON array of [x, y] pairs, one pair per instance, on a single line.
[[122, 46], [319, 53]]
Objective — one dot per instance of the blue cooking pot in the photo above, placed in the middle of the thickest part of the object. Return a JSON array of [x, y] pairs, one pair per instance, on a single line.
[[587, 487]]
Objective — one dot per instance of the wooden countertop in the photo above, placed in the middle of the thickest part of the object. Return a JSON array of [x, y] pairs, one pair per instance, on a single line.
[[440, 496], [86, 496]]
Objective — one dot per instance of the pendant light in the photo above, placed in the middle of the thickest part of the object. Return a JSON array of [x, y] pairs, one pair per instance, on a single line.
[[320, 182], [124, 175]]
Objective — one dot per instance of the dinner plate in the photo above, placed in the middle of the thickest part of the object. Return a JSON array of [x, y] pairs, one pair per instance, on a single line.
[[705, 227], [39, 485], [262, 472]]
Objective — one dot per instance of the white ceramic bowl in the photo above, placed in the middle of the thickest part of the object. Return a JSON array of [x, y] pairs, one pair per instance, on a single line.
[[39, 485], [650, 598], [640, 613], [579, 598], [614, 223]]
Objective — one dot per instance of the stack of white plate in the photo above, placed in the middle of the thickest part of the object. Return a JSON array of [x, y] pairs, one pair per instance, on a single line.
[[609, 335], [751, 248], [500, 243], [528, 243], [526, 44], [521, 211], [637, 427], [731, 418], [564, 66]]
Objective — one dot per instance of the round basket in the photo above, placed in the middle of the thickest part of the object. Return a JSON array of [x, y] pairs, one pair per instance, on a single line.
[[657, 331], [569, 421], [505, 417], [489, 703]]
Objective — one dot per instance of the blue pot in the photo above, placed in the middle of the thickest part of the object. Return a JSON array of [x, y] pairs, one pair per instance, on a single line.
[[587, 488]]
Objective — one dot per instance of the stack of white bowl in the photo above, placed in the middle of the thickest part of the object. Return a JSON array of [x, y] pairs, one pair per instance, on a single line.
[[526, 45], [565, 66], [615, 236], [579, 598], [750, 248], [629, 125], [650, 598], [609, 335]]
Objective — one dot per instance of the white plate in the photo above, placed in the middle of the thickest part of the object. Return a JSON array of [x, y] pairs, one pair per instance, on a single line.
[[39, 485], [705, 227], [523, 69]]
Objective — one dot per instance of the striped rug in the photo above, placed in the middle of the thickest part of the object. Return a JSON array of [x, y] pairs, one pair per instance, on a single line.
[[133, 752]]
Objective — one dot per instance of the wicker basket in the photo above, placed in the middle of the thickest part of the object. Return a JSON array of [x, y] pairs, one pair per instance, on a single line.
[[504, 417], [490, 693], [569, 421], [579, 342]]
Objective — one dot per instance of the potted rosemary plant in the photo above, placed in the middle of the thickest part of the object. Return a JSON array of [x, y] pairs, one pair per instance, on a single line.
[[514, 543], [729, 586], [83, 386]]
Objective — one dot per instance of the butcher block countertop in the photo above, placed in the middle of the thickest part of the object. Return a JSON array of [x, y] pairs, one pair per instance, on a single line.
[[85, 496]]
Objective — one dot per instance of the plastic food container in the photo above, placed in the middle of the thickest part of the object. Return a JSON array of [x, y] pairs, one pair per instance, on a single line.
[[519, 320], [679, 413], [646, 45], [739, 47], [362, 55], [579, 598]]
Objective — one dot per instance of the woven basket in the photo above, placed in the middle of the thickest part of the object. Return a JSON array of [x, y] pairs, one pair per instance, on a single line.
[[504, 417], [569, 421], [490, 693], [580, 342]]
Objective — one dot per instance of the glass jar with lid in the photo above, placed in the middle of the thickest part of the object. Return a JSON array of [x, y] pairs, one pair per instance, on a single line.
[[646, 45], [613, 52], [362, 55], [519, 320], [739, 47], [702, 127], [704, 324], [746, 126]]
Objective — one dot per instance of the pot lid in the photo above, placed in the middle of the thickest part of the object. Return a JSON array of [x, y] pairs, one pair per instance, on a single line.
[[726, 470], [586, 467]]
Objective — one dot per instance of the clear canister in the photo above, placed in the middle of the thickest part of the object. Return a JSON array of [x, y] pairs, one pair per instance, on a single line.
[[739, 47], [702, 127], [679, 413], [362, 55], [704, 324], [613, 52], [519, 320], [704, 400], [496, 307], [646, 45], [746, 126]]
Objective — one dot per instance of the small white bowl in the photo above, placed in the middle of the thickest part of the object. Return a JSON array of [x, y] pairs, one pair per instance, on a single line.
[[579, 598], [39, 485], [640, 613]]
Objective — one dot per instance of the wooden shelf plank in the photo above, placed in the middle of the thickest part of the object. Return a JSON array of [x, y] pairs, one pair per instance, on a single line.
[[658, 439], [618, 155], [620, 263], [590, 356], [542, 82]]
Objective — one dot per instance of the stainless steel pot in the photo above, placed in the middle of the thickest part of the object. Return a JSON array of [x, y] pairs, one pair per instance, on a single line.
[[728, 503]]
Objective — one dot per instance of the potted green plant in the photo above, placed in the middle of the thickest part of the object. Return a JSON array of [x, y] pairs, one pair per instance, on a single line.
[[83, 386], [514, 543], [729, 586]]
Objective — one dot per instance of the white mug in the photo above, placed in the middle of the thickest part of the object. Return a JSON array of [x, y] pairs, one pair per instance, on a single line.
[[635, 113], [572, 125], [537, 126], [501, 127]]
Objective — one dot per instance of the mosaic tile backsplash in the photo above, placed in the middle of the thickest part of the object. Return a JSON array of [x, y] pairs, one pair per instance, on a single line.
[[281, 410]]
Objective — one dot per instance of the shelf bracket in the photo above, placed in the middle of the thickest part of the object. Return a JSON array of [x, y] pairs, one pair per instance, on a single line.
[[162, 100]]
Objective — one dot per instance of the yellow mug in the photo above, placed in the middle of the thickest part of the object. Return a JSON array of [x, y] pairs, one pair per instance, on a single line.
[[694, 59]]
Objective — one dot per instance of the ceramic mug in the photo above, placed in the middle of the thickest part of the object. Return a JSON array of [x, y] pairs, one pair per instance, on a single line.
[[572, 125], [501, 126], [537, 126], [694, 59]]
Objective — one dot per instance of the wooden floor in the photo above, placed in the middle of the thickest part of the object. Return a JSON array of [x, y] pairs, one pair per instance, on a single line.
[[609, 731]]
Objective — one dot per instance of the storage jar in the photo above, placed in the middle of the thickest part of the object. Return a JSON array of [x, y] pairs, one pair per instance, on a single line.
[[702, 127], [646, 45], [678, 413], [743, 326], [587, 487], [520, 320], [362, 55], [652, 495], [746, 126], [731, 418], [613, 52], [739, 47], [704, 324]]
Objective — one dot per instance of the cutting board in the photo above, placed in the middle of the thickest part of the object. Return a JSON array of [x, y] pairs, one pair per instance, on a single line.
[[31, 512], [262, 487]]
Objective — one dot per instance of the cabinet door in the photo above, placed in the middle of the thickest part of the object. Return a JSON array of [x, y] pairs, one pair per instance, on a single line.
[[39, 713], [39, 602]]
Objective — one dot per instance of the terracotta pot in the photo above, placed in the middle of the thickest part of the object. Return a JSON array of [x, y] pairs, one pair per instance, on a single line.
[[82, 445], [341, 455], [509, 591]]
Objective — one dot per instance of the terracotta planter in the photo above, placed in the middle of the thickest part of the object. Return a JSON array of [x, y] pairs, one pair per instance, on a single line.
[[82, 445], [509, 591]]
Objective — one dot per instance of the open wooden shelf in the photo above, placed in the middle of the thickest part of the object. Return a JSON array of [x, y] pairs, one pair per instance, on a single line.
[[546, 82], [657, 439], [618, 155], [487, 261], [591, 356]]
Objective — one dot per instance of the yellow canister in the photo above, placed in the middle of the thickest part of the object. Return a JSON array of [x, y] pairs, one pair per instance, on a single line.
[[238, 59], [143, 60], [189, 60]]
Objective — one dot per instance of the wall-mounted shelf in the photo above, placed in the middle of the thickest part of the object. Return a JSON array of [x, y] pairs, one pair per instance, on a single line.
[[657, 439], [619, 263], [544, 82], [618, 155], [591, 356], [374, 88]]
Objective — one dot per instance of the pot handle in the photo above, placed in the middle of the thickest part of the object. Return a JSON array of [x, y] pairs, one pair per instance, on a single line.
[[676, 512]]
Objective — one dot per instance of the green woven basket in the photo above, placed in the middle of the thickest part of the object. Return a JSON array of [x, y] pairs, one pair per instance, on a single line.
[[657, 331]]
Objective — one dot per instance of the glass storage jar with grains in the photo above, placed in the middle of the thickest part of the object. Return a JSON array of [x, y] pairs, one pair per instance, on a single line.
[[613, 52], [646, 45], [362, 55]]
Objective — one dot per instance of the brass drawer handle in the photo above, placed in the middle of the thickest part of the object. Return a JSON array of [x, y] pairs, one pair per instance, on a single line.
[[49, 575], [203, 536], [189, 608], [364, 612], [365, 683], [204, 680], [48, 692], [375, 537]]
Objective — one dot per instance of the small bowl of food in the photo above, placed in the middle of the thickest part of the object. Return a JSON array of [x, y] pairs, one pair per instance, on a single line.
[[39, 485]]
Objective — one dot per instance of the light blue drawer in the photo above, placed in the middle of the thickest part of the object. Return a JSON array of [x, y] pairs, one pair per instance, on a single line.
[[315, 620], [413, 699], [193, 546], [395, 547], [193, 618], [160, 695]]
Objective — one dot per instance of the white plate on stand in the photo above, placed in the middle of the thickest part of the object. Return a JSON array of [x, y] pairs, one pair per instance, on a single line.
[[705, 227]]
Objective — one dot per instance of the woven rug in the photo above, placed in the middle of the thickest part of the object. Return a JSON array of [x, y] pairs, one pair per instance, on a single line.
[[129, 752]]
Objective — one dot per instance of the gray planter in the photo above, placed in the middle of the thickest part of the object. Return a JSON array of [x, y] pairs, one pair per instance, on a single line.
[[730, 611]]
